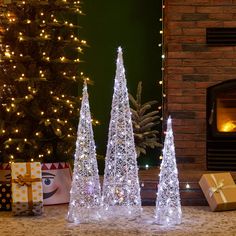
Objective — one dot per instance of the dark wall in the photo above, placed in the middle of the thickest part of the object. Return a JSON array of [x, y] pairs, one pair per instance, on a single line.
[[134, 25]]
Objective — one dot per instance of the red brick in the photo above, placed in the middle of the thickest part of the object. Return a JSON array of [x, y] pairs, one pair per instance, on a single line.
[[181, 9], [218, 77], [229, 24], [178, 85], [186, 39], [181, 55], [188, 2], [187, 122], [231, 9], [195, 31], [211, 55], [222, 48], [173, 62], [222, 2], [209, 9], [172, 47], [180, 99], [171, 107], [206, 24], [185, 129], [179, 70], [181, 24], [174, 77], [185, 137], [221, 16], [229, 55], [200, 145], [198, 152], [193, 91], [206, 69], [176, 31], [174, 92], [202, 85], [193, 107], [206, 62], [173, 16], [185, 144]]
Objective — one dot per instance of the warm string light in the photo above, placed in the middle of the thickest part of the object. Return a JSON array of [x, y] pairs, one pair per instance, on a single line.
[[46, 20], [161, 45]]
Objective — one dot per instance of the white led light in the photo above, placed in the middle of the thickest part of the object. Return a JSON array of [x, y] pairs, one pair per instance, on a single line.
[[168, 207], [121, 190], [85, 194]]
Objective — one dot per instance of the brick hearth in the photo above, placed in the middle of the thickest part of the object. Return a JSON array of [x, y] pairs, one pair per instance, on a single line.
[[191, 66]]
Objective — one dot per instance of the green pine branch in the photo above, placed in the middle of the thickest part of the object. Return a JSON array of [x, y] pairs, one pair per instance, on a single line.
[[145, 122]]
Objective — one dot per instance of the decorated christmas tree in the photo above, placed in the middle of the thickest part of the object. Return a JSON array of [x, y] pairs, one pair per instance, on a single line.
[[121, 190], [168, 206], [85, 194], [40, 56]]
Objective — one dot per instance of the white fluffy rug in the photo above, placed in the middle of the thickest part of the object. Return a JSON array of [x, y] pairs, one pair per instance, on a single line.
[[197, 220]]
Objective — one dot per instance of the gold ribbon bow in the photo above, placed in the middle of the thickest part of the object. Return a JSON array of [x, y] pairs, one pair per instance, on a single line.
[[24, 180], [219, 187]]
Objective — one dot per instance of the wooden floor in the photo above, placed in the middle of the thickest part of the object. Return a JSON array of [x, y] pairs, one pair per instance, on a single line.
[[190, 191]]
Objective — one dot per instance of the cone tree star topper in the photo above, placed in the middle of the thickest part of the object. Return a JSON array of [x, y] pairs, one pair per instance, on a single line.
[[85, 194], [168, 206], [121, 190]]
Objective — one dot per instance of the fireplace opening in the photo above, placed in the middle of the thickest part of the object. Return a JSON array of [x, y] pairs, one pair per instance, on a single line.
[[221, 126]]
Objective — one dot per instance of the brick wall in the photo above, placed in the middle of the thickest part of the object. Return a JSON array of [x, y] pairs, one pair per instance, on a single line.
[[190, 67]]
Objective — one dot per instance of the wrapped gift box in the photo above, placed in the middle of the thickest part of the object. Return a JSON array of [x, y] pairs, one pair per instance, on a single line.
[[27, 192], [5, 197], [219, 190]]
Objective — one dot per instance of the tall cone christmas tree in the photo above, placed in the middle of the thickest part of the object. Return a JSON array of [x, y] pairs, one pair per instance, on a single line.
[[168, 206], [121, 190], [85, 194]]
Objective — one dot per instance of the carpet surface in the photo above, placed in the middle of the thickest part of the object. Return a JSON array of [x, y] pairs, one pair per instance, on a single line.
[[197, 220]]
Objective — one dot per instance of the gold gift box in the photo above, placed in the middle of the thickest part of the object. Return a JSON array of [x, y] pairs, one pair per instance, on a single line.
[[27, 191], [219, 190]]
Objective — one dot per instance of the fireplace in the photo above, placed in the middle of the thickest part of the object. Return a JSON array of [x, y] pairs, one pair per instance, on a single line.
[[221, 126]]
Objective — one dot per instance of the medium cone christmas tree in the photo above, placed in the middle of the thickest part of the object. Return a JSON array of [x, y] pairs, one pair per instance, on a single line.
[[85, 194], [168, 206], [121, 190]]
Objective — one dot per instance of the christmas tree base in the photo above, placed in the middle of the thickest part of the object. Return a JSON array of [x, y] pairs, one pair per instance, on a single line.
[[84, 215], [128, 212], [168, 216]]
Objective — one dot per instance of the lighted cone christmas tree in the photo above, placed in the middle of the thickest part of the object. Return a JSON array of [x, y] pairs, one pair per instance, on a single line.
[[121, 190], [85, 194], [168, 206]]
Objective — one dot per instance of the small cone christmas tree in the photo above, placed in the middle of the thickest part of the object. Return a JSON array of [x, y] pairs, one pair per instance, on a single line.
[[168, 207], [85, 194], [121, 190]]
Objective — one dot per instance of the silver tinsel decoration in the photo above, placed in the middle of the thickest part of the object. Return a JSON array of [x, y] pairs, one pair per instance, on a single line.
[[85, 194], [121, 190], [168, 206]]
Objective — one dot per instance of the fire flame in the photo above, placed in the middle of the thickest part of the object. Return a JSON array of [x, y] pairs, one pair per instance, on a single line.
[[229, 126]]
